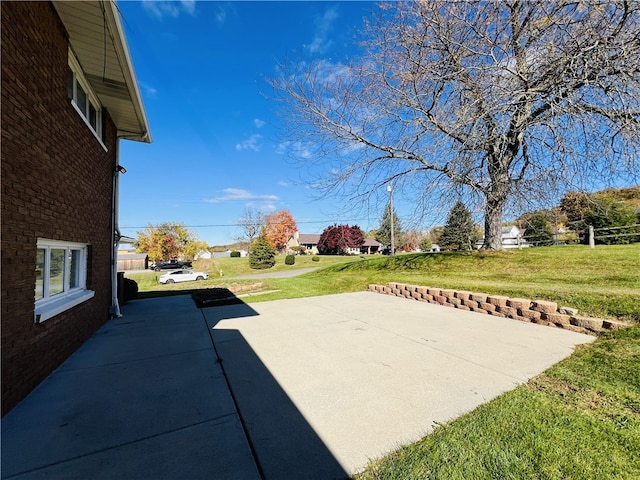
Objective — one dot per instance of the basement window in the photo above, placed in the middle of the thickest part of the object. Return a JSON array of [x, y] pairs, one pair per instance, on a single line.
[[61, 277], [83, 99]]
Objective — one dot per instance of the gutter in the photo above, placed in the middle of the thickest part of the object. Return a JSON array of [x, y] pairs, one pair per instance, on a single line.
[[115, 233]]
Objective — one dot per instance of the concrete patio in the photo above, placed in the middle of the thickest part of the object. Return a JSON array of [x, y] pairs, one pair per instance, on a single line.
[[305, 388]]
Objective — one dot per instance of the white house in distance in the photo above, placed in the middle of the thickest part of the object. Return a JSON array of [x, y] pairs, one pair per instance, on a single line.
[[512, 237], [203, 255]]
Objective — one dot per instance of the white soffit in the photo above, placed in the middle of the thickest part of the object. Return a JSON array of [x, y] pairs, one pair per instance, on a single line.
[[97, 38]]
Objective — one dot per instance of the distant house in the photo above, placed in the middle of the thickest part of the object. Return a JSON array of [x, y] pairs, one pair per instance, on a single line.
[[512, 237], [371, 246], [69, 95], [307, 240], [203, 255], [132, 261], [310, 242]]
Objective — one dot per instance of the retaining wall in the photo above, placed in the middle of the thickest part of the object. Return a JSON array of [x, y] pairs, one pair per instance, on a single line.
[[541, 312]]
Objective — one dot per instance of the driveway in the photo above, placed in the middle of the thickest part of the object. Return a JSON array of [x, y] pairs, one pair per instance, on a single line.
[[326, 383], [308, 388]]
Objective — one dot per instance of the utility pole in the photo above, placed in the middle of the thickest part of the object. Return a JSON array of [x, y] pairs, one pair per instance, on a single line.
[[390, 190]]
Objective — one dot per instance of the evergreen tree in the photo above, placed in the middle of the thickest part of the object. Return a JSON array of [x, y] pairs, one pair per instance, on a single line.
[[538, 227], [459, 232], [607, 216], [262, 255], [383, 234]]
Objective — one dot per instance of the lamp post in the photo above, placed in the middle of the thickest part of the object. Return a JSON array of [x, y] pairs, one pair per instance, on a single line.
[[390, 190]]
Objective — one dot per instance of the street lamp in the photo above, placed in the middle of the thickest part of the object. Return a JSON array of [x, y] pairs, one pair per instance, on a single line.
[[390, 190]]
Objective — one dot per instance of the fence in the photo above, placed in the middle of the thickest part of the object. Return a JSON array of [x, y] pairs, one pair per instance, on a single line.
[[618, 232]]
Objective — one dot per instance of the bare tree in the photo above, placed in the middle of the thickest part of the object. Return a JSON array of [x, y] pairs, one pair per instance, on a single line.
[[251, 224], [496, 99]]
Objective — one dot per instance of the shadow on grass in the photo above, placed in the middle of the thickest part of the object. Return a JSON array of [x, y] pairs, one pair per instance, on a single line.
[[163, 293], [214, 297], [204, 297]]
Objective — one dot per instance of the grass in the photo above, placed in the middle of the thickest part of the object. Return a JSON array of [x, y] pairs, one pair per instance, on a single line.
[[602, 282], [221, 272], [580, 419]]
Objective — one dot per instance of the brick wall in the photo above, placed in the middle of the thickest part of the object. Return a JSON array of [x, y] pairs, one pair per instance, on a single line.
[[56, 184]]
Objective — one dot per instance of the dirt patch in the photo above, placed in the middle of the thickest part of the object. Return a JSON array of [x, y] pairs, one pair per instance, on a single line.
[[216, 296]]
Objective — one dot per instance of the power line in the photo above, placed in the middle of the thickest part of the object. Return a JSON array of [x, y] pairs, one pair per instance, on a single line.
[[236, 225]]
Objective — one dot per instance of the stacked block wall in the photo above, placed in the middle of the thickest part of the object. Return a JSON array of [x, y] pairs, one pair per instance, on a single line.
[[523, 309]]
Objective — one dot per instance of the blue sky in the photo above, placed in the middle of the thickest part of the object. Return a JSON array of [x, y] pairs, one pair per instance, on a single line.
[[201, 68]]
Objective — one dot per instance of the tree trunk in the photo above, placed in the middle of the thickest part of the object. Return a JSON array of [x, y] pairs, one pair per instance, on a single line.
[[493, 222]]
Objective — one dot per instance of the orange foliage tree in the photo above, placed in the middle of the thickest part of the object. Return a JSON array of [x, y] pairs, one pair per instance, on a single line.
[[279, 226]]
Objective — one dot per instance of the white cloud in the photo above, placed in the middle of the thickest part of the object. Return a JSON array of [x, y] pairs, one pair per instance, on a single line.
[[322, 40], [223, 11], [282, 183], [266, 206], [239, 194], [296, 149], [189, 6], [251, 143], [169, 8], [149, 90], [259, 123]]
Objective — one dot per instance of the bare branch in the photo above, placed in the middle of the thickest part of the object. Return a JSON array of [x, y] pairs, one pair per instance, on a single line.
[[500, 99]]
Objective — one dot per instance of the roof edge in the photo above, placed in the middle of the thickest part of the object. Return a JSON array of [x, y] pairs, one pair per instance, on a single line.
[[114, 22]]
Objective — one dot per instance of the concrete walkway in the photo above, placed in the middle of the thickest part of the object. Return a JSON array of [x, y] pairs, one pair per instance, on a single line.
[[306, 388], [143, 398]]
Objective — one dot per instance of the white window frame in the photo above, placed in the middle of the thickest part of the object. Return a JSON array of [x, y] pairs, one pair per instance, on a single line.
[[51, 305], [91, 100]]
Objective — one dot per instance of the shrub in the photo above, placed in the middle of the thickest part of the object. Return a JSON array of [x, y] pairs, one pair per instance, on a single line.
[[315, 258], [130, 289], [235, 254], [425, 244], [290, 260]]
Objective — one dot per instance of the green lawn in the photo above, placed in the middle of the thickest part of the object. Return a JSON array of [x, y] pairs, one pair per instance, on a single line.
[[222, 270], [604, 281]]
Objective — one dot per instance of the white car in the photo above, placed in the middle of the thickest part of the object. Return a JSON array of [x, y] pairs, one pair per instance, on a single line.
[[182, 276]]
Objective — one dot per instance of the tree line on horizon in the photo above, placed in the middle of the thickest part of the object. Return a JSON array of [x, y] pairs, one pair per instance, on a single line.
[[609, 210]]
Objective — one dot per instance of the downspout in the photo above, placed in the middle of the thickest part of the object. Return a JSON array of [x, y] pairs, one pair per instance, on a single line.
[[115, 234]]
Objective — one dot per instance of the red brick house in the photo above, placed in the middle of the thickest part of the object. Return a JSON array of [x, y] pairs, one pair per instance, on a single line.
[[69, 94]]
